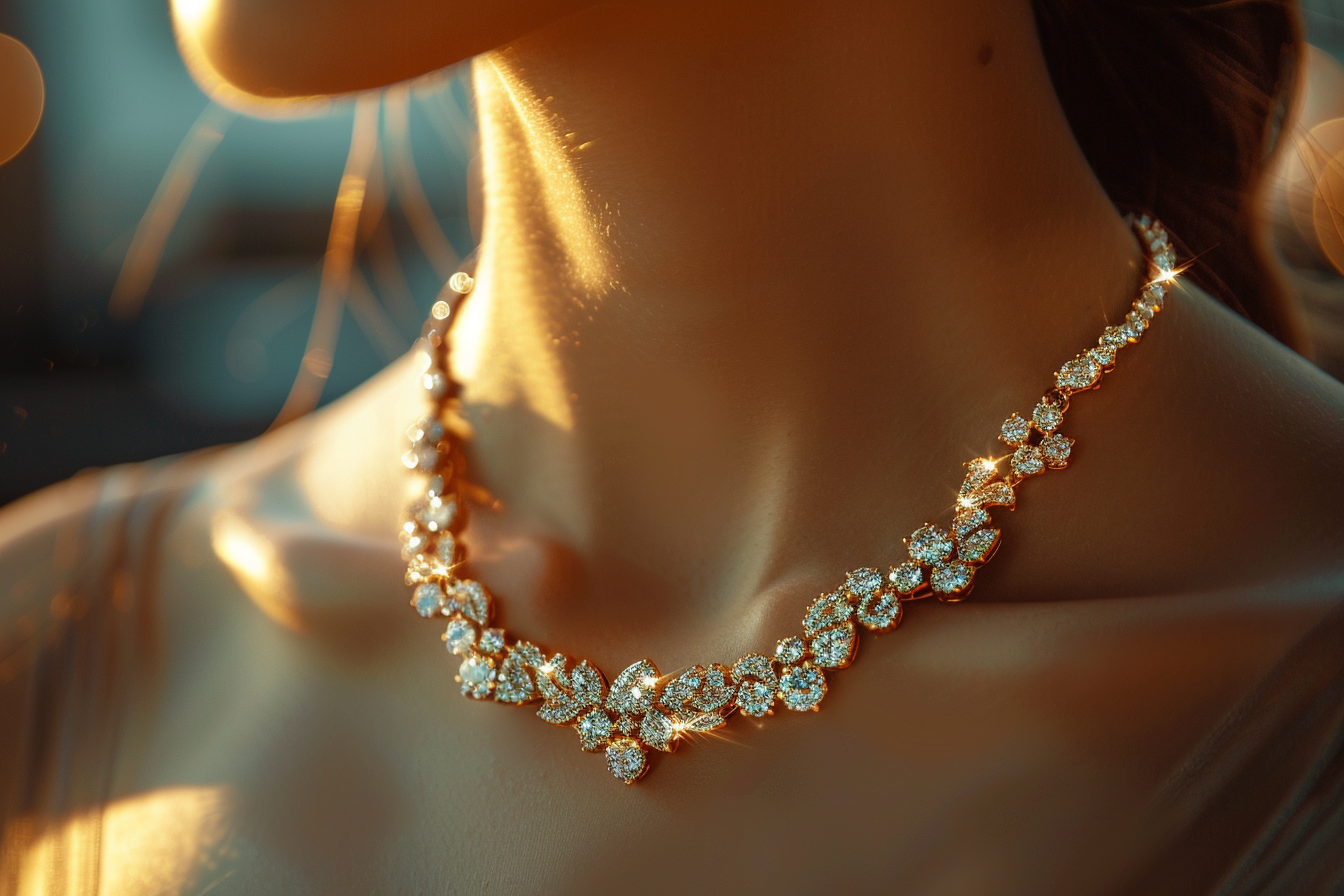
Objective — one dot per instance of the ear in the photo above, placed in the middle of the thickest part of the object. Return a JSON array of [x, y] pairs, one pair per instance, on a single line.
[[277, 57]]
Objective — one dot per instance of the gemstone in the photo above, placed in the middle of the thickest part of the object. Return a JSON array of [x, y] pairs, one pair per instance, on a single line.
[[1101, 356], [1015, 430], [835, 647], [427, 429], [1047, 416], [513, 683], [682, 688], [446, 549], [790, 650], [1078, 374], [422, 457], [1027, 461], [827, 610], [436, 384], [413, 543], [705, 721], [967, 521], [435, 513], [978, 546], [907, 578], [559, 707], [1154, 294], [1056, 448], [880, 612], [1136, 321], [863, 582], [556, 668], [658, 731], [755, 666], [595, 729], [1141, 309], [995, 494], [626, 760], [492, 641], [716, 691], [634, 689], [929, 544], [1113, 337], [801, 687], [1131, 332], [427, 599], [528, 653], [755, 698], [477, 674], [418, 570], [586, 683], [434, 486], [1165, 259], [460, 636], [471, 598], [627, 724], [978, 472], [952, 577]]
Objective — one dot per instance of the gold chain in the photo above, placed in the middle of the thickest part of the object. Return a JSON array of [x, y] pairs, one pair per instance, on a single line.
[[643, 709]]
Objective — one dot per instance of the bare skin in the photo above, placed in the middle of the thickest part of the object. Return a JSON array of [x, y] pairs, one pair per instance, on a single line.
[[752, 287]]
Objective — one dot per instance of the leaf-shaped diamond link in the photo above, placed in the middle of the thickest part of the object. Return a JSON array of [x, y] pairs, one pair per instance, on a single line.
[[634, 690], [826, 611]]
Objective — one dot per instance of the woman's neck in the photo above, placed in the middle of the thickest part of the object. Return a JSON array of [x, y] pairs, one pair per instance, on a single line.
[[751, 289]]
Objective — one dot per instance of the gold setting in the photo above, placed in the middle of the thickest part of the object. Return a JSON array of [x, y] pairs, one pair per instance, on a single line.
[[643, 709]]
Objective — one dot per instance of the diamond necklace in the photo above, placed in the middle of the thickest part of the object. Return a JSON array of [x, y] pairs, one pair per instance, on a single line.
[[643, 709]]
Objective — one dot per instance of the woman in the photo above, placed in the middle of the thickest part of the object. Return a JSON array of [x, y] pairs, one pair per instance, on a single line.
[[753, 283]]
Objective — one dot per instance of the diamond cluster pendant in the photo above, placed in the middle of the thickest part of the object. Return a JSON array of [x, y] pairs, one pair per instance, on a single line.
[[643, 710]]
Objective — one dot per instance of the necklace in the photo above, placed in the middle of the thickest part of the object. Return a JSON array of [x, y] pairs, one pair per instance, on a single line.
[[643, 709]]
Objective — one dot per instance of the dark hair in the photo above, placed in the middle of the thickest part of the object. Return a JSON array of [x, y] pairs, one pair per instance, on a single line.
[[1178, 107]]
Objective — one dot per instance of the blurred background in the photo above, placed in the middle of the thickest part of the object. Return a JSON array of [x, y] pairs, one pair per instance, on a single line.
[[160, 257]]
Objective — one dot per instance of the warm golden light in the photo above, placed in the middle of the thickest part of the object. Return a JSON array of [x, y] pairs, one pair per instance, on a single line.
[[257, 567], [22, 97]]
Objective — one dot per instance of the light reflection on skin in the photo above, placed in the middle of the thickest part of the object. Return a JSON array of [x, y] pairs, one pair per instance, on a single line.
[[531, 161], [257, 566], [154, 842]]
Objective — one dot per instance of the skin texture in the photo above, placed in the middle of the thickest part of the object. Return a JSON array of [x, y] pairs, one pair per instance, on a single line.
[[753, 284]]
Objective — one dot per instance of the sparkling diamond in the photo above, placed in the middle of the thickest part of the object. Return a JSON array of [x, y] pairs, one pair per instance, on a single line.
[[1131, 332], [1154, 294], [1165, 259], [627, 724], [413, 543], [559, 707], [626, 760], [755, 666], [460, 637], [436, 384], [1141, 309], [1078, 374], [835, 647], [682, 688], [1047, 416], [929, 543], [978, 546], [1113, 337], [446, 549], [907, 577], [995, 494], [978, 472], [528, 653], [476, 674], [434, 486], [790, 650], [471, 598], [952, 577], [427, 599], [826, 611], [436, 513], [880, 612], [755, 698], [427, 429], [967, 521], [658, 731], [705, 721], [587, 685], [1136, 321], [634, 689], [492, 641], [1015, 430], [422, 457], [1027, 461], [863, 582], [716, 691], [513, 682], [1101, 356], [1056, 448], [595, 729], [801, 687]]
